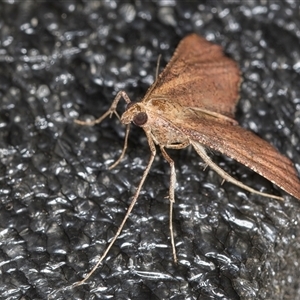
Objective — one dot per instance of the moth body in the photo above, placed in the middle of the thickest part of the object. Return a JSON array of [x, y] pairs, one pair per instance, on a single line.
[[193, 102]]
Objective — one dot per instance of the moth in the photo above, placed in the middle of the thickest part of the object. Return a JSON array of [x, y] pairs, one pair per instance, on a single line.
[[192, 102]]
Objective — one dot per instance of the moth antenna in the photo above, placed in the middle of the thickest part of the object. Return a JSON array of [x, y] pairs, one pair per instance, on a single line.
[[205, 167], [157, 67], [201, 151]]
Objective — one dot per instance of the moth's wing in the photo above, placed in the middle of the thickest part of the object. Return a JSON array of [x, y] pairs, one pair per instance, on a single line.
[[199, 75], [243, 146]]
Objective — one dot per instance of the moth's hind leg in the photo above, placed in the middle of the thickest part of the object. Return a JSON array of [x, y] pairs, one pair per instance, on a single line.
[[135, 197], [226, 177]]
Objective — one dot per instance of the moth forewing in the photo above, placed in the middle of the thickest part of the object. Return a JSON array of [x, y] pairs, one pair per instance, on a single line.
[[199, 75]]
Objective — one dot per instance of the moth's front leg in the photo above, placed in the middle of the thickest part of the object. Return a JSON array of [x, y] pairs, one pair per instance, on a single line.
[[109, 112]]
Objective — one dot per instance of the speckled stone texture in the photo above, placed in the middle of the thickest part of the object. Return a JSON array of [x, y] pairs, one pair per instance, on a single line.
[[59, 203]]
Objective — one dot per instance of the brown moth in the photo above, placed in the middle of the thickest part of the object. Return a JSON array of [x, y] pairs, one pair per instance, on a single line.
[[192, 102]]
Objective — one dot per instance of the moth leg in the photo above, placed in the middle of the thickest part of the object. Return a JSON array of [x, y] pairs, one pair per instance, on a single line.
[[135, 197], [110, 112], [201, 151], [172, 189], [124, 148], [171, 197]]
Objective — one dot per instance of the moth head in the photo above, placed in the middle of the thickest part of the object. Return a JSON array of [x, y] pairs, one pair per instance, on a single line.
[[136, 113]]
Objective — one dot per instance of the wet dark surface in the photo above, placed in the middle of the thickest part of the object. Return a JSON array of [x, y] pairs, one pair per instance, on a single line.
[[60, 204]]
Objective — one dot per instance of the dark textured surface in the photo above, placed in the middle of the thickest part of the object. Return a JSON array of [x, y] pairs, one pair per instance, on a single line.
[[59, 203]]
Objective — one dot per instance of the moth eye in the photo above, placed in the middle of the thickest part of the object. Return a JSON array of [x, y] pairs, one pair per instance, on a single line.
[[129, 105], [140, 119]]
